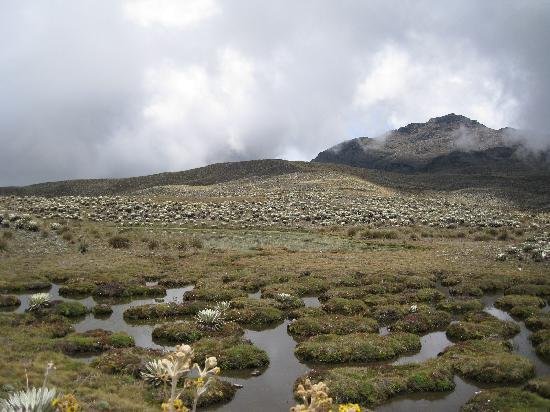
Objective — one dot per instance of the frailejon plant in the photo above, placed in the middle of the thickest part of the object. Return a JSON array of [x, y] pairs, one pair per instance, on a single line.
[[223, 306], [38, 300], [315, 399], [173, 368], [32, 399], [210, 318]]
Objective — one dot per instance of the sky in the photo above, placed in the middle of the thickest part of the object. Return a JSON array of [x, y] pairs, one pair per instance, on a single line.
[[114, 88]]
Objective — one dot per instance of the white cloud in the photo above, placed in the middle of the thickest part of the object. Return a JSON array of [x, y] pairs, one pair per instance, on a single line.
[[411, 88], [179, 14]]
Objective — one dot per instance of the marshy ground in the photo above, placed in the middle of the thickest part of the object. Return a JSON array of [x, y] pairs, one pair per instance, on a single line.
[[397, 301]]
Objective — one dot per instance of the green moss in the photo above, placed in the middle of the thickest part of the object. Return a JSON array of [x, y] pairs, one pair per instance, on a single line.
[[356, 347], [191, 331], [390, 313], [538, 322], [94, 341], [344, 306], [77, 288], [218, 392], [254, 313], [481, 325], [507, 302], [506, 399], [466, 289], [540, 386], [7, 301], [232, 353], [489, 361], [428, 295], [164, 310], [129, 361], [423, 321], [308, 311], [285, 302], [528, 289], [334, 324], [374, 385], [70, 309], [524, 312], [213, 293], [120, 340], [102, 310], [460, 306]]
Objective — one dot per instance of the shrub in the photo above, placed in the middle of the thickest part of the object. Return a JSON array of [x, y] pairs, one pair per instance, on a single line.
[[119, 242]]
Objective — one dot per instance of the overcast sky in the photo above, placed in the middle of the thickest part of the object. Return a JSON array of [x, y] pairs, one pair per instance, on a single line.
[[119, 88]]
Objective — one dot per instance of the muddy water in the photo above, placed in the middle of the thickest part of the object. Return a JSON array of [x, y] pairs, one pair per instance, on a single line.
[[272, 389]]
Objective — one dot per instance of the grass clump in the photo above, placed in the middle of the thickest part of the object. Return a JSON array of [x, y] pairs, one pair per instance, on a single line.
[[508, 302], [423, 321], [232, 353], [538, 322], [119, 242], [506, 399], [489, 361], [357, 347], [70, 309], [254, 313], [102, 310], [213, 293], [128, 361], [481, 325], [344, 306], [374, 385], [164, 310], [379, 234], [540, 386], [331, 324], [94, 341], [8, 301], [459, 306], [541, 341]]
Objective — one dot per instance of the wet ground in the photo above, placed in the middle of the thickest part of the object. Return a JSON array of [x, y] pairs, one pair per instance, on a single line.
[[272, 389]]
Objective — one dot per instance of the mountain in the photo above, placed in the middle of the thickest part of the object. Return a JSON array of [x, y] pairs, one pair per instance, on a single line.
[[442, 144]]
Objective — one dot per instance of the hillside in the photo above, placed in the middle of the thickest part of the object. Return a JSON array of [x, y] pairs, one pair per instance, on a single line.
[[443, 144]]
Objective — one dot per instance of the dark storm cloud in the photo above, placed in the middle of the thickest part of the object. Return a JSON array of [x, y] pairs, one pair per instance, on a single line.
[[93, 89]]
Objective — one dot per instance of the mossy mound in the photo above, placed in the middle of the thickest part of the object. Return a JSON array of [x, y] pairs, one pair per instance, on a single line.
[[540, 386], [528, 289], [466, 289], [389, 313], [94, 341], [524, 312], [164, 310], [70, 309], [507, 302], [102, 310], [232, 353], [288, 302], [489, 361], [218, 392], [343, 292], [541, 341], [9, 301], [213, 293], [428, 295], [77, 288], [191, 331], [481, 325], [343, 306], [301, 312], [372, 386], [538, 322], [506, 399], [334, 324], [32, 286], [356, 347], [254, 313], [423, 321], [129, 361], [459, 306]]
